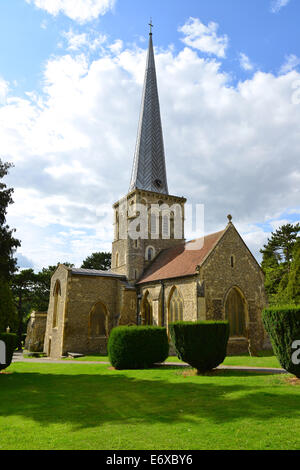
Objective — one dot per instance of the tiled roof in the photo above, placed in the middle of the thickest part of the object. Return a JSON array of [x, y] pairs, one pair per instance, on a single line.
[[181, 260]]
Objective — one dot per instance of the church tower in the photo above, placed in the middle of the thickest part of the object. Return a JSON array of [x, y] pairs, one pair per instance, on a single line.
[[147, 220]]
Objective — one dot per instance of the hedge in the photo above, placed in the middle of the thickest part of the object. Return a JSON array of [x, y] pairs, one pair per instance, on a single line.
[[283, 326], [137, 347], [10, 341], [203, 345]]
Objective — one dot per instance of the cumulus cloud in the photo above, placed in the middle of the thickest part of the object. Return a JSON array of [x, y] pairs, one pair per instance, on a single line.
[[291, 62], [276, 5], [78, 10], [4, 87], [234, 149], [77, 41], [245, 62], [204, 38]]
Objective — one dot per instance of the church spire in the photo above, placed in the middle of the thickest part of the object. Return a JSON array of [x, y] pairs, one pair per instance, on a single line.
[[149, 168]]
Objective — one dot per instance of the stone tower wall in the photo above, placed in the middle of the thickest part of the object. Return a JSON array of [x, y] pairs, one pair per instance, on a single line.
[[132, 253]]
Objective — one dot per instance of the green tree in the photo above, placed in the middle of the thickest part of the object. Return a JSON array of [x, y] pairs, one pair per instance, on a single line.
[[23, 284], [293, 286], [99, 260], [8, 244], [41, 289], [277, 260], [31, 291], [8, 313], [8, 264]]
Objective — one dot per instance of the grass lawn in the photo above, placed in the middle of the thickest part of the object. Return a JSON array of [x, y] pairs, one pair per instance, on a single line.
[[265, 359], [83, 406]]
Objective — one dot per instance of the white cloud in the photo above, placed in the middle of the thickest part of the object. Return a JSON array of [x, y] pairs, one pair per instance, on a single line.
[[4, 87], [89, 40], [245, 62], [78, 10], [291, 63], [276, 5], [116, 47], [204, 38], [235, 149]]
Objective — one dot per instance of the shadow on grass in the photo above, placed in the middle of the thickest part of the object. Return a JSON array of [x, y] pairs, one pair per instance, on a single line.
[[88, 400], [223, 372]]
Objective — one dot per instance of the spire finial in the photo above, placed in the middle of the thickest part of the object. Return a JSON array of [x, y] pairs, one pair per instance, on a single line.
[[229, 217], [151, 26]]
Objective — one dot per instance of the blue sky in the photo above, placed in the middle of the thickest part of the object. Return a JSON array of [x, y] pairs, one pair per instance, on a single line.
[[28, 35], [70, 90]]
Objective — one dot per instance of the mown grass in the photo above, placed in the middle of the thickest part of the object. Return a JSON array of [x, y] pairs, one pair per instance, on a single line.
[[264, 359], [83, 406]]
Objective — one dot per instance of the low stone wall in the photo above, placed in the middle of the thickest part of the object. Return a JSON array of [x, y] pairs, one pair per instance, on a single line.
[[237, 346], [36, 329]]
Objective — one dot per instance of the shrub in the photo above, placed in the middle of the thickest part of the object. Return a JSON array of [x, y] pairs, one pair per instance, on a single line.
[[202, 344], [10, 341], [283, 326], [137, 347]]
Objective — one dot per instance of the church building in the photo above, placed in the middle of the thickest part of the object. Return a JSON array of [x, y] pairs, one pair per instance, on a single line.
[[156, 277]]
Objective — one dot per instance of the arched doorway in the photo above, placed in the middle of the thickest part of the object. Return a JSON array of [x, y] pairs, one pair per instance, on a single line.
[[236, 313], [175, 306], [98, 318], [146, 310]]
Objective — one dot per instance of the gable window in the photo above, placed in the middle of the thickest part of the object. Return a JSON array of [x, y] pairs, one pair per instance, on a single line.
[[232, 261]]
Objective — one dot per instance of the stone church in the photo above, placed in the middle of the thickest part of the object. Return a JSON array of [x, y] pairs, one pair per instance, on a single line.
[[156, 276]]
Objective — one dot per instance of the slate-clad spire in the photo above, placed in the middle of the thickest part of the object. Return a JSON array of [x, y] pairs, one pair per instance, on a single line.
[[149, 168]]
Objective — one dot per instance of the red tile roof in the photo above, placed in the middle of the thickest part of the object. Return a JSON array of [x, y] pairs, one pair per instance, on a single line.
[[181, 260]]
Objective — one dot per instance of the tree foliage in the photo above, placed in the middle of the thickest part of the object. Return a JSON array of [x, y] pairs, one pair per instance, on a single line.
[[100, 261], [293, 286], [8, 244], [281, 264], [31, 291], [8, 313]]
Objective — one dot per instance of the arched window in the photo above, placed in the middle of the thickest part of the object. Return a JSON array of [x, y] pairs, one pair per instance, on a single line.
[[98, 321], [150, 252], [117, 260], [165, 225], [57, 296], [175, 306], [146, 311], [235, 313]]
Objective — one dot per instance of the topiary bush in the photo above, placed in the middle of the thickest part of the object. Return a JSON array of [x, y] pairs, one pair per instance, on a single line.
[[10, 341], [203, 345], [283, 326], [137, 347]]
